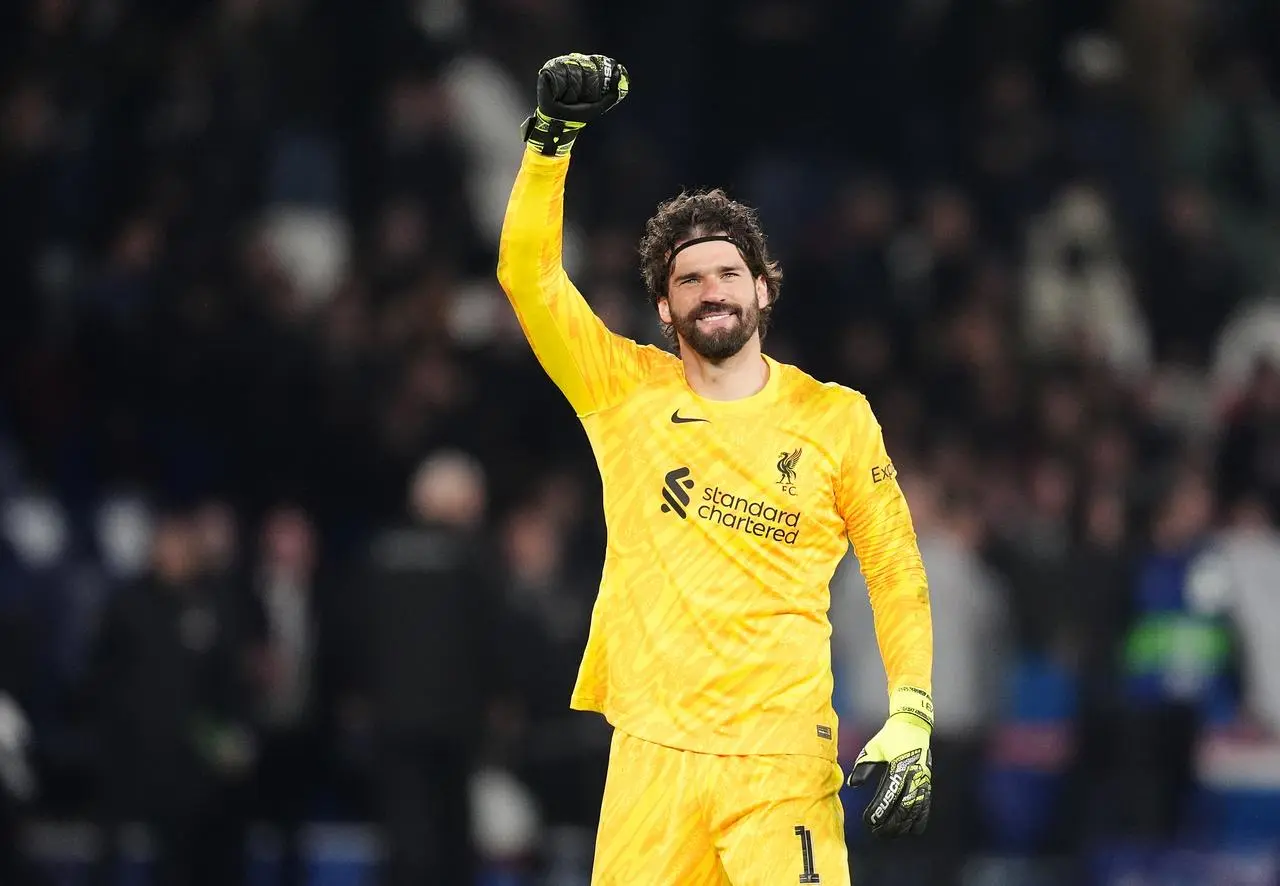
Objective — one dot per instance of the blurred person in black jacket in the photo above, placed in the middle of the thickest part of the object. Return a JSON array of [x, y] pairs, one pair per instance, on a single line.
[[562, 756], [217, 530], [425, 648], [1103, 571], [1249, 457], [217, 533], [169, 707], [1036, 557], [292, 631]]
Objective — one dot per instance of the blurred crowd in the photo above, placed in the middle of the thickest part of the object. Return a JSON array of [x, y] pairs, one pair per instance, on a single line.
[[293, 528]]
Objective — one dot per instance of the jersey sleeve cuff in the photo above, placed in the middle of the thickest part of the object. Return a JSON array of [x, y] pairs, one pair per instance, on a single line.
[[910, 700]]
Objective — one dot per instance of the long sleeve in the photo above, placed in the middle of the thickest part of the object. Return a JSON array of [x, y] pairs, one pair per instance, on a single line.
[[593, 367], [884, 540]]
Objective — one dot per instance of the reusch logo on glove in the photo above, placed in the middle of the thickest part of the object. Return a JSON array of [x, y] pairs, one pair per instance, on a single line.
[[901, 771]]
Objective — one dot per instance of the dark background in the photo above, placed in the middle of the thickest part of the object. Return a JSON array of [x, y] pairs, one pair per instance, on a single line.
[[247, 289]]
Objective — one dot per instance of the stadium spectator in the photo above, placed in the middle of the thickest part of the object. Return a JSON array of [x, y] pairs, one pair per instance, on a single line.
[[171, 711], [424, 613], [295, 670]]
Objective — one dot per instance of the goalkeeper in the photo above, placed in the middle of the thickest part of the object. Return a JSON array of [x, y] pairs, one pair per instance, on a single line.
[[733, 485]]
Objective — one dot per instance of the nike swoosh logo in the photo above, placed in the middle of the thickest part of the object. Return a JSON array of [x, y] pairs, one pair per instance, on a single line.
[[678, 419]]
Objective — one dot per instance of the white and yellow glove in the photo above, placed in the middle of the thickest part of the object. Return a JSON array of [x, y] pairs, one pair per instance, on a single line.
[[900, 750]]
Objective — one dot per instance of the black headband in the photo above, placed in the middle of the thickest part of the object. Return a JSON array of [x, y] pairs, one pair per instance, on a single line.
[[671, 259]]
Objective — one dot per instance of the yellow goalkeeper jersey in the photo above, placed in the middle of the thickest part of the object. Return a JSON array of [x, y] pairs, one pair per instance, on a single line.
[[725, 521]]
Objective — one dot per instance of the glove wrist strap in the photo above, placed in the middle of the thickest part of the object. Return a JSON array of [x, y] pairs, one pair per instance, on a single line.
[[909, 700], [548, 136]]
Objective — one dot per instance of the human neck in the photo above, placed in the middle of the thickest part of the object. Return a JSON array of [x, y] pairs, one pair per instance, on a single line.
[[736, 377]]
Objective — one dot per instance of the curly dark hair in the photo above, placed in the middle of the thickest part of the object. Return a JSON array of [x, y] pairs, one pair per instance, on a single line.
[[704, 214]]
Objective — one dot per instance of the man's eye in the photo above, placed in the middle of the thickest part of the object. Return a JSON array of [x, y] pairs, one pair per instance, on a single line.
[[731, 273]]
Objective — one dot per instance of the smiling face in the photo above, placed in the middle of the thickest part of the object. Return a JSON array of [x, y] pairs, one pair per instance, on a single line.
[[713, 302]]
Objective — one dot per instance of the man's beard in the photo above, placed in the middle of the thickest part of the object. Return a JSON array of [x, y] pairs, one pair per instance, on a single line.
[[721, 343]]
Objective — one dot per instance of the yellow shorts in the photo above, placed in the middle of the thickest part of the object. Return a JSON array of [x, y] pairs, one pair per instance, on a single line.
[[679, 818]]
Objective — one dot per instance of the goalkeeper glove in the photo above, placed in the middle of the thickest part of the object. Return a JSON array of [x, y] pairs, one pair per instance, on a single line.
[[900, 750], [573, 90]]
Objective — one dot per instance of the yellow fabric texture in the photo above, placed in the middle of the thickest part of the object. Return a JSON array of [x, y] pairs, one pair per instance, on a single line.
[[672, 816], [725, 519]]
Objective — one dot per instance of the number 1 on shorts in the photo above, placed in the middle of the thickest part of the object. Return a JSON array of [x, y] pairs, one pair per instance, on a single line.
[[808, 875]]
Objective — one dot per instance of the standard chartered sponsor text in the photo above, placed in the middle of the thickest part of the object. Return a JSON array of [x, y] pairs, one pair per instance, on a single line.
[[751, 517]]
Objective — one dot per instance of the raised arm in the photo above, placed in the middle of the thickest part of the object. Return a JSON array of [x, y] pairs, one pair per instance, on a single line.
[[592, 366]]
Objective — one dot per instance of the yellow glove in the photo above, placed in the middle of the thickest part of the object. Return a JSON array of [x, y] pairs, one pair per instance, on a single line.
[[900, 750]]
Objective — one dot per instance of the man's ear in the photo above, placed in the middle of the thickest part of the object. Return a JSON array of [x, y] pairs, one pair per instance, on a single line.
[[762, 293], [664, 310]]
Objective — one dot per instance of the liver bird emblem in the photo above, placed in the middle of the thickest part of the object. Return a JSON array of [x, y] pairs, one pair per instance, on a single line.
[[787, 466]]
